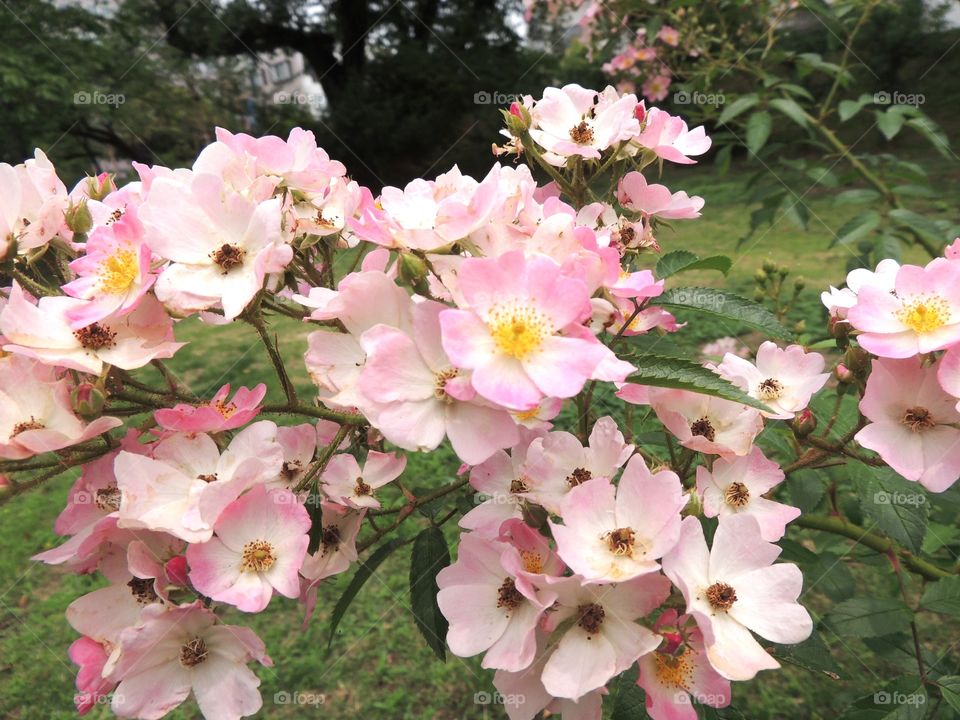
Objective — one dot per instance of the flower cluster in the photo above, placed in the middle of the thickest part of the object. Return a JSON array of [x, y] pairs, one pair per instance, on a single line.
[[908, 319], [488, 313]]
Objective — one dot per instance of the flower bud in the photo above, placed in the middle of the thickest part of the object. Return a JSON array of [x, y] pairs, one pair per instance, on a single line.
[[804, 423], [769, 267], [857, 360], [759, 295], [760, 277], [843, 374], [100, 186], [518, 119], [78, 217], [799, 284], [799, 326], [413, 271], [839, 329], [640, 112], [534, 515], [88, 400]]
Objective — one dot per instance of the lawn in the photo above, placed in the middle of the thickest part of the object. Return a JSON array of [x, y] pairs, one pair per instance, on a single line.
[[378, 665]]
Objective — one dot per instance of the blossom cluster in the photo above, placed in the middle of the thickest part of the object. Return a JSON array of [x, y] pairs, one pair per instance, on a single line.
[[907, 318], [479, 312]]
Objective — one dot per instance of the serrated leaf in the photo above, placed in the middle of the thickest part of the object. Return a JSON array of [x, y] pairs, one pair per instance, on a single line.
[[681, 260], [721, 304], [950, 689], [737, 107], [758, 131], [365, 569], [629, 700], [812, 654], [860, 195], [943, 597], [857, 227], [791, 108], [866, 617], [679, 374], [430, 555], [898, 507], [889, 123]]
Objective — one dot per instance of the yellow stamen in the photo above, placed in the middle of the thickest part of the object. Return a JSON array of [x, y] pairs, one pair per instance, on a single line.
[[924, 315], [518, 331], [118, 272]]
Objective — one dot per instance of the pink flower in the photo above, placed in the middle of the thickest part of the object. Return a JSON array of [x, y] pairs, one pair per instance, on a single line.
[[614, 534], [259, 544], [839, 302], [558, 462], [524, 695], [113, 274], [656, 88], [299, 443], [668, 137], [92, 687], [668, 35], [221, 245], [187, 483], [428, 214], [734, 588], [490, 609], [339, 526], [634, 193], [32, 203], [500, 481], [705, 423], [604, 639], [737, 486], [35, 411], [679, 672], [217, 415], [949, 373], [570, 121], [421, 397], [43, 332], [922, 314], [510, 336], [345, 483], [784, 380], [183, 650], [913, 423]]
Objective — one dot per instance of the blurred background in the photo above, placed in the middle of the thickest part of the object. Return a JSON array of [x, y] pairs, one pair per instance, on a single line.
[[832, 126]]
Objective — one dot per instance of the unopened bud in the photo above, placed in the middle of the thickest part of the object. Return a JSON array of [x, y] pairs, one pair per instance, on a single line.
[[100, 186], [78, 217], [640, 112], [804, 423], [857, 360], [799, 326], [843, 374], [799, 284], [88, 400], [760, 277], [413, 271], [759, 295], [769, 267], [518, 119]]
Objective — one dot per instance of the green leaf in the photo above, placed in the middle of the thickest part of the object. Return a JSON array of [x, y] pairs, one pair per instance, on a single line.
[[915, 221], [722, 159], [758, 131], [942, 597], [365, 569], [889, 122], [629, 699], [950, 689], [812, 654], [867, 617], [724, 305], [861, 195], [857, 227], [848, 108], [913, 190], [898, 507], [430, 555], [737, 107], [680, 374], [929, 129], [681, 260], [791, 108]]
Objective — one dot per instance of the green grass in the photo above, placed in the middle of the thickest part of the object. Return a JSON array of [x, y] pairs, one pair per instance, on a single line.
[[378, 666]]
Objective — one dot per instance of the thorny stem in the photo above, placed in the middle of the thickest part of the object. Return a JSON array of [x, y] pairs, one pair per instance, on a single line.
[[256, 320]]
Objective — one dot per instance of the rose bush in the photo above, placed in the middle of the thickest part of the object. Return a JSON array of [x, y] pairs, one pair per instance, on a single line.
[[619, 505]]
